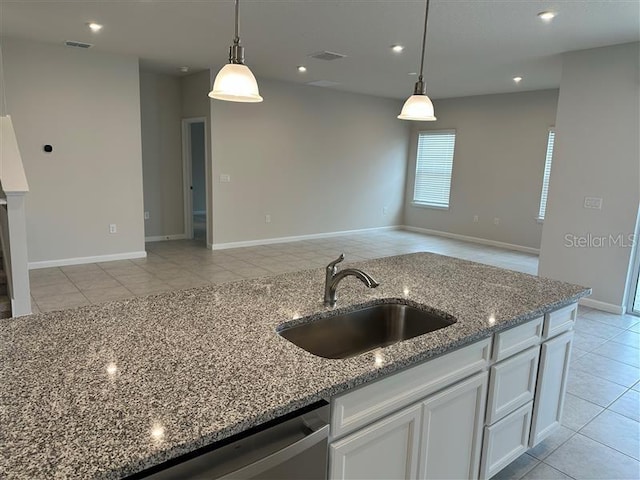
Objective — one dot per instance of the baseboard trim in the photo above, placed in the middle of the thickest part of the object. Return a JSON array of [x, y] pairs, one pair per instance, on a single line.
[[605, 307], [481, 241], [297, 238], [164, 238], [63, 262]]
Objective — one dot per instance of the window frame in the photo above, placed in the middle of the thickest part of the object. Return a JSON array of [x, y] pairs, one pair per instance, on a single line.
[[421, 204], [546, 174]]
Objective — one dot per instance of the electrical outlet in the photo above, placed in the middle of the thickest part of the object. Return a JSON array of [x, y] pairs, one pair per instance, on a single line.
[[496, 221], [475, 219], [385, 210], [267, 218], [225, 178], [146, 215], [594, 203], [113, 228]]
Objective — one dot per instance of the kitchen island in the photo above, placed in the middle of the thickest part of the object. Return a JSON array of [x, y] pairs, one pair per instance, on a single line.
[[107, 391]]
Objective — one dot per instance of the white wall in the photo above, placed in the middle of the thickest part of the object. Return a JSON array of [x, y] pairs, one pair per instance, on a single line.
[[161, 114], [596, 154], [316, 160], [501, 142], [87, 105]]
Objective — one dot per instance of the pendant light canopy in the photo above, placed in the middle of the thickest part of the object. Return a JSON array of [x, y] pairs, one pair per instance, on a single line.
[[235, 82], [418, 106]]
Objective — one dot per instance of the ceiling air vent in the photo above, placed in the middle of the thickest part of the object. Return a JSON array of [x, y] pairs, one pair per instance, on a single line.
[[71, 43], [327, 55]]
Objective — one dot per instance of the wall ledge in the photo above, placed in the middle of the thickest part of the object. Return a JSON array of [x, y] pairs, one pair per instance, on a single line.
[[297, 238], [63, 262], [466, 238]]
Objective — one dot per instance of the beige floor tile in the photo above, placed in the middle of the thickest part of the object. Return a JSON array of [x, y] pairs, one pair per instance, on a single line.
[[60, 288], [96, 283], [108, 294], [61, 302]]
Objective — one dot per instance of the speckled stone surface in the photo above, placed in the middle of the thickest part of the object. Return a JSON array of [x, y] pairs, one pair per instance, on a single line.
[[106, 391]]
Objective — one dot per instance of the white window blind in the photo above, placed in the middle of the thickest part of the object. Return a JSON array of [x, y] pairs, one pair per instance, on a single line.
[[547, 175], [434, 163]]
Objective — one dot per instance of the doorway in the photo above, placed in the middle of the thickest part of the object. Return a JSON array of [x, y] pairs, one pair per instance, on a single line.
[[195, 178], [634, 287]]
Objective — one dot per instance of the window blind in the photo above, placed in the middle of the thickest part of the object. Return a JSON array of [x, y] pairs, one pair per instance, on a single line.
[[546, 175], [434, 163]]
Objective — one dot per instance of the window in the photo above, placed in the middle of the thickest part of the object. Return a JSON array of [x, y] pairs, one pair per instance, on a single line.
[[434, 162], [547, 174]]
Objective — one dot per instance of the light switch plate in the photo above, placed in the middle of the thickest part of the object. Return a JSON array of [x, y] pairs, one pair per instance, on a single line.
[[593, 203]]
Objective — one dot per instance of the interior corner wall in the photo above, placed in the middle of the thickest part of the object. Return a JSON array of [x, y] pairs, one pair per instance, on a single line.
[[196, 104], [86, 104], [161, 114], [316, 160], [597, 154], [498, 165]]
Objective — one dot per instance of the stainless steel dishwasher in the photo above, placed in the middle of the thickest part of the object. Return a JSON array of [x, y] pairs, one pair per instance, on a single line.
[[294, 449]]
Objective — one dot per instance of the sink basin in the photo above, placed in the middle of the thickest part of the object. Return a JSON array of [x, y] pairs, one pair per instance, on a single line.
[[349, 334]]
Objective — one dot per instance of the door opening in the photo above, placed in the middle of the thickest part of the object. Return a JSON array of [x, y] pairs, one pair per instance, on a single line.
[[634, 288], [195, 185]]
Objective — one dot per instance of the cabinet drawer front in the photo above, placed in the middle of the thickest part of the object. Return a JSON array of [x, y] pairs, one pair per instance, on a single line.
[[359, 407], [505, 441], [512, 384], [516, 339], [559, 321]]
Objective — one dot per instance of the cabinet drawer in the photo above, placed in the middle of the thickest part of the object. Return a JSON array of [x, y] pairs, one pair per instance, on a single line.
[[516, 339], [559, 321], [512, 384], [359, 407], [505, 441]]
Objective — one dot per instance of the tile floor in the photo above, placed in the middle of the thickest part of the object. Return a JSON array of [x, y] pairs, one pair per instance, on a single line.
[[600, 435]]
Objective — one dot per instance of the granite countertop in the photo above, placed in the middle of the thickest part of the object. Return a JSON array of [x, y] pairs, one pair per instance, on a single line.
[[109, 390]]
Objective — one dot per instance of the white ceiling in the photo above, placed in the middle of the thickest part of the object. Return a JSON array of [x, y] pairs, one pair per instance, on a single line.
[[473, 46]]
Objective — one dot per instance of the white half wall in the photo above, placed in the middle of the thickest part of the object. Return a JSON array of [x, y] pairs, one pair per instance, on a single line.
[[316, 160], [597, 154], [86, 104], [498, 164]]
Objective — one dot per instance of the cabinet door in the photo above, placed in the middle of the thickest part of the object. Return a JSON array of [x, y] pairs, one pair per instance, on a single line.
[[551, 388], [452, 430], [387, 449]]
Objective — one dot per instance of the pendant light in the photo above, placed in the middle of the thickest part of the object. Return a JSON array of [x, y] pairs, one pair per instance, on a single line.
[[235, 82], [418, 106]]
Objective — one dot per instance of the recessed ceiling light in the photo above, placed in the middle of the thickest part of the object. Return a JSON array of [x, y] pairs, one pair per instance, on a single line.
[[94, 27], [302, 68], [184, 69], [413, 73], [547, 16], [517, 79], [397, 48]]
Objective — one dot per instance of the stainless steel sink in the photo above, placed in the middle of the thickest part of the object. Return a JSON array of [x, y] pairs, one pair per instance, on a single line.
[[349, 334]]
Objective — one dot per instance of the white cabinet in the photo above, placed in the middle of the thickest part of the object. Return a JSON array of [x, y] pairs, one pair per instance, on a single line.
[[387, 449], [436, 421], [552, 385], [505, 441], [452, 423]]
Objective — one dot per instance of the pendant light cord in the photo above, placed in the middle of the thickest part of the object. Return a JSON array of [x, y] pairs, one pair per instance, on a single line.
[[424, 40], [236, 39]]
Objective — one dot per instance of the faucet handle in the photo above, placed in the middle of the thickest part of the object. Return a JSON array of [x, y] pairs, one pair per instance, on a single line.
[[332, 266]]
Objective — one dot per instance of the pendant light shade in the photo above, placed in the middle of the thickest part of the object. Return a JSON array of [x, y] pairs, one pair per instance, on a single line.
[[235, 82], [418, 106]]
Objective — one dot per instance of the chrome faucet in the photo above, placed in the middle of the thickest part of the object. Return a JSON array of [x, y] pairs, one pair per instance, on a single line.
[[333, 277]]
